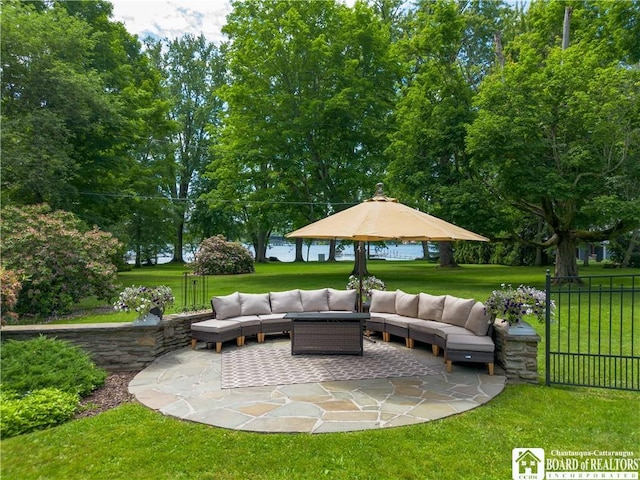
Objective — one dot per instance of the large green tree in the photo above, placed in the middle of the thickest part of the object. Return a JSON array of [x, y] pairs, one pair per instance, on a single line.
[[446, 54], [193, 70], [72, 106], [557, 132], [309, 100]]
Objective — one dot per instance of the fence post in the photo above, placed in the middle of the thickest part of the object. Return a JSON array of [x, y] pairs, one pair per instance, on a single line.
[[547, 330]]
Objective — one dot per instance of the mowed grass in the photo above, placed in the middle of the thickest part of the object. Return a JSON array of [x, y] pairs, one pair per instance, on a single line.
[[132, 441]]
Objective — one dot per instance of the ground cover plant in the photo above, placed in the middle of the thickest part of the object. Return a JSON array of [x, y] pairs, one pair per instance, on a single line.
[[42, 382]]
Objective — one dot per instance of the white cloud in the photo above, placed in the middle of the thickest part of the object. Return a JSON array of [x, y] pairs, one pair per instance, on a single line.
[[173, 18]]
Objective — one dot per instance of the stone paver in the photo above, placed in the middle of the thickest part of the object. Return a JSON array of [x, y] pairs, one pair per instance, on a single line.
[[186, 384]]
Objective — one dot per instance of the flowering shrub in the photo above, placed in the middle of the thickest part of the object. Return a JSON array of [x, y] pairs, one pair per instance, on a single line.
[[511, 304], [10, 286], [368, 284], [62, 260], [142, 299], [217, 256]]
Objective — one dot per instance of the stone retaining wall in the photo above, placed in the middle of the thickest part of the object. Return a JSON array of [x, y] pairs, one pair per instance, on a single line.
[[117, 346], [123, 346], [517, 351]]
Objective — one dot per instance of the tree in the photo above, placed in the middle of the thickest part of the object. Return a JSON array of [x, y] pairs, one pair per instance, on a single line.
[[557, 131], [446, 55], [193, 70], [311, 91], [76, 104], [61, 259]]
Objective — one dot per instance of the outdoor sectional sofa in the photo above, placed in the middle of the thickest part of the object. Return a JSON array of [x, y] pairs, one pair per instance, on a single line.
[[458, 326], [240, 315]]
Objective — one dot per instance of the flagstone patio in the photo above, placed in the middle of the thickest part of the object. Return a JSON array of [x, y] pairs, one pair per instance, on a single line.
[[187, 384]]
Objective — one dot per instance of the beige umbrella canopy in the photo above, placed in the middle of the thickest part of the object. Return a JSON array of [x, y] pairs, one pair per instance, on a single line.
[[384, 218]]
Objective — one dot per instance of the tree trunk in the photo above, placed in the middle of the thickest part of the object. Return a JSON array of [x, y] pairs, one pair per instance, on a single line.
[[260, 246], [566, 270], [356, 263], [425, 250], [332, 251], [179, 244], [446, 255], [299, 244], [632, 245]]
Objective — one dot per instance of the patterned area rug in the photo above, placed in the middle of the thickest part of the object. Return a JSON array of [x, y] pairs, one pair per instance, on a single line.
[[257, 367]]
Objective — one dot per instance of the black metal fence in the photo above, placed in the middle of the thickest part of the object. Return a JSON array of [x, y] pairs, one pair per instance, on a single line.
[[593, 336], [195, 292]]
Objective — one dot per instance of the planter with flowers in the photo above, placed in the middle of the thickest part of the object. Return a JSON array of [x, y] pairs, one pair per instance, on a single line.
[[368, 285], [148, 302], [513, 304]]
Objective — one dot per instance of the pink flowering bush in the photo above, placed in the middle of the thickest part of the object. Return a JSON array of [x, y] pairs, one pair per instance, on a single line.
[[10, 286], [216, 256], [62, 260]]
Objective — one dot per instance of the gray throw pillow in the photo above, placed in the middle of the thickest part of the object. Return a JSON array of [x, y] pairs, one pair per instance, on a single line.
[[383, 302], [254, 304], [456, 310], [227, 306], [285, 302], [430, 307], [478, 321], [342, 300], [315, 300], [406, 304]]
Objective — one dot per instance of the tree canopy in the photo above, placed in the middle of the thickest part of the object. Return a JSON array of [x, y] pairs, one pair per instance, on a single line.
[[481, 112]]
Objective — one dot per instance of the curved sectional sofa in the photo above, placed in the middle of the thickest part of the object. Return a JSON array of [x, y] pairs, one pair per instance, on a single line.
[[458, 326]]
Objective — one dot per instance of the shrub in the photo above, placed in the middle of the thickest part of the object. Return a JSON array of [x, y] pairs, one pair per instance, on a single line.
[[39, 409], [216, 256], [45, 362], [62, 260], [10, 286]]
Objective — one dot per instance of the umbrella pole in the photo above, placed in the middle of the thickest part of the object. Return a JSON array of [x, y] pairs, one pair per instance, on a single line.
[[360, 274]]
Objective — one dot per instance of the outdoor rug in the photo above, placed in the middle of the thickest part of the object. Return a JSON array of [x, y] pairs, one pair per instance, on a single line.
[[257, 367]]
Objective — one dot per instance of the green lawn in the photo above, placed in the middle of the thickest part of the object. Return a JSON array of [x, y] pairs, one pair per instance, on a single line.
[[134, 442]]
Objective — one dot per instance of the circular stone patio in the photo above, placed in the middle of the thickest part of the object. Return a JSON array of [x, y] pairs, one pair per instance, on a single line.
[[188, 384]]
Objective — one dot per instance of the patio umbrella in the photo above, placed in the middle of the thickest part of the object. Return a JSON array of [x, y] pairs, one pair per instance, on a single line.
[[383, 218]]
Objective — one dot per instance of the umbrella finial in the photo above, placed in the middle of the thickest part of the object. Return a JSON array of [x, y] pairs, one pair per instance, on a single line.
[[380, 196]]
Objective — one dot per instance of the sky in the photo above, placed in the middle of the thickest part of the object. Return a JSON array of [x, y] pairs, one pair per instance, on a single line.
[[173, 18]]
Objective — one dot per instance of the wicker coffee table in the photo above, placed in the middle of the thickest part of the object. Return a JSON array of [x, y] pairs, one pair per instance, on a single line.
[[327, 333]]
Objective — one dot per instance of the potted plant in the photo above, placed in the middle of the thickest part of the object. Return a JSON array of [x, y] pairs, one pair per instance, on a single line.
[[512, 304], [148, 302], [368, 285]]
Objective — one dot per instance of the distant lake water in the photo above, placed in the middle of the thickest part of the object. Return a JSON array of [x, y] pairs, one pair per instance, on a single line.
[[286, 252], [319, 252]]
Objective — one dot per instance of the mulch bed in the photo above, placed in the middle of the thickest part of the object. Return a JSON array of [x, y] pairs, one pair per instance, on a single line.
[[114, 392]]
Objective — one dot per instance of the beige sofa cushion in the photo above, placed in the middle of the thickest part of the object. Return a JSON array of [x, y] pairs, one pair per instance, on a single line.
[[226, 306], [406, 304], [285, 302], [383, 302], [342, 299], [478, 321], [430, 307], [456, 310], [254, 304], [314, 300]]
